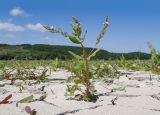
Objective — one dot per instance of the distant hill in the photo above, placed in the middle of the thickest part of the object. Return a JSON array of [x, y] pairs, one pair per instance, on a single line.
[[46, 52]]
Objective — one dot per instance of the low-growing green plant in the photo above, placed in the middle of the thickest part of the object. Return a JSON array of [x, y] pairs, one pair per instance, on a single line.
[[7, 73], [155, 59], [41, 77], [83, 75], [20, 86], [106, 71]]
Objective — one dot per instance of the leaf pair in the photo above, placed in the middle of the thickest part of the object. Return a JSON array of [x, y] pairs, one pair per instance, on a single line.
[[75, 55], [94, 53], [91, 55]]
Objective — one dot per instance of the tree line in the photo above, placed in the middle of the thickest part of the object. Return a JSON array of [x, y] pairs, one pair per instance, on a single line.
[[49, 52]]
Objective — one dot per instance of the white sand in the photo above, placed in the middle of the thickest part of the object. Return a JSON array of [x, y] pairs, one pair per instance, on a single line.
[[140, 101]]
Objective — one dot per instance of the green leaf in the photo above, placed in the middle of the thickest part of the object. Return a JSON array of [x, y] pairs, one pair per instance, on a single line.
[[79, 31], [74, 40], [26, 99], [77, 81], [75, 55], [73, 27], [75, 20], [94, 53], [46, 27], [90, 75]]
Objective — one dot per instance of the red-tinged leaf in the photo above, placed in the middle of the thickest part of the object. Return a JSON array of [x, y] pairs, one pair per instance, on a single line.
[[5, 101]]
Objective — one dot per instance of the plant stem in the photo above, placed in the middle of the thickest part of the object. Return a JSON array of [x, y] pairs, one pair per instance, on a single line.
[[86, 71]]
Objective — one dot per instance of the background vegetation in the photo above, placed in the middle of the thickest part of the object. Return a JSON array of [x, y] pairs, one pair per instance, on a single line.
[[48, 52]]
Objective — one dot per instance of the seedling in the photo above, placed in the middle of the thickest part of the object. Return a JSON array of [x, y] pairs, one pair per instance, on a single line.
[[85, 77], [20, 86], [39, 78]]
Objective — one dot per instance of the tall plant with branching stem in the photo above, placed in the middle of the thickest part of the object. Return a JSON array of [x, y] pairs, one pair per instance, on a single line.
[[77, 38]]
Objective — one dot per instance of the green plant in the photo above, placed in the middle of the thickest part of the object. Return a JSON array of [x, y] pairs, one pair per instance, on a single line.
[[20, 86], [155, 59], [85, 77], [7, 73], [106, 71], [41, 77]]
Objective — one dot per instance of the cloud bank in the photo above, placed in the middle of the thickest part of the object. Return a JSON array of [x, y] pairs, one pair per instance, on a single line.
[[11, 27], [18, 12], [36, 27]]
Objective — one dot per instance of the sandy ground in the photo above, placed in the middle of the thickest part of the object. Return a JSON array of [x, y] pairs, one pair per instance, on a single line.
[[138, 94]]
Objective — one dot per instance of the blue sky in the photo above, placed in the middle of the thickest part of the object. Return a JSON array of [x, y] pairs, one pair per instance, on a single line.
[[133, 23]]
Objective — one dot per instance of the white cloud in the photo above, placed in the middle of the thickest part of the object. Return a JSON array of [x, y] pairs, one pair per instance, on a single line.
[[18, 12], [10, 27], [36, 27]]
